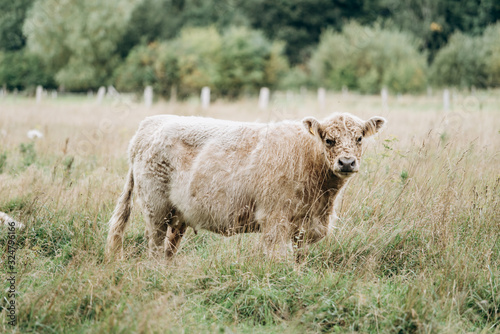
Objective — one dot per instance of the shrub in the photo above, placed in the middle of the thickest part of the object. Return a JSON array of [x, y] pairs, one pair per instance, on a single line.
[[367, 58], [138, 70], [491, 42], [238, 61], [295, 78], [248, 61], [469, 60], [188, 62], [198, 53], [460, 63], [21, 70]]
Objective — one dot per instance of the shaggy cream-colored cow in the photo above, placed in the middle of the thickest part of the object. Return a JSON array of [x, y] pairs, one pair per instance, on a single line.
[[227, 177]]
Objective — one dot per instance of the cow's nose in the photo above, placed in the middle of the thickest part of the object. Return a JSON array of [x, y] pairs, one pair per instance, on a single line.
[[347, 164]]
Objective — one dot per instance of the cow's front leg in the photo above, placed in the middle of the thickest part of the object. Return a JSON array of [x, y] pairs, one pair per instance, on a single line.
[[276, 235], [307, 233], [173, 240]]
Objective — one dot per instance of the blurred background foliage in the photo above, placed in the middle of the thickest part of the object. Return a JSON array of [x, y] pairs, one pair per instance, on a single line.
[[237, 46]]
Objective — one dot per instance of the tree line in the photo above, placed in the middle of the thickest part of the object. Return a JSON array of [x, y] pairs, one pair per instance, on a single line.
[[237, 46]]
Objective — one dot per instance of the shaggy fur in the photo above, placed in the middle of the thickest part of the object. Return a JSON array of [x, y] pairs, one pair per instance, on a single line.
[[280, 179]]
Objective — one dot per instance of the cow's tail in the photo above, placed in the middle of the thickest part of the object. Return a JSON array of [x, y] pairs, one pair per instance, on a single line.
[[120, 217]]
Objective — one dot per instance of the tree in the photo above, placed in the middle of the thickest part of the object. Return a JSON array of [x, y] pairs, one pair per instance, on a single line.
[[239, 61], [154, 20], [12, 15], [22, 70], [300, 22], [78, 39], [369, 58], [434, 21]]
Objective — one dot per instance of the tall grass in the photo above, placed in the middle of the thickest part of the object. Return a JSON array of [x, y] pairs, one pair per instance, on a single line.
[[416, 249]]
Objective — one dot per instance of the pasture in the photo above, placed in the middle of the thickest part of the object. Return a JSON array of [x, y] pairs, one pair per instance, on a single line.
[[416, 249]]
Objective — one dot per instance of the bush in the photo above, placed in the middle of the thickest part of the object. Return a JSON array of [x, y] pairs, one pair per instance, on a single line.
[[469, 60], [295, 78], [198, 53], [491, 40], [239, 61], [461, 63], [22, 70], [188, 62], [368, 58], [248, 61]]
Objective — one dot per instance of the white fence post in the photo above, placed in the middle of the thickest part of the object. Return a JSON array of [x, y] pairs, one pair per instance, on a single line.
[[100, 94], [39, 92], [113, 92], [205, 97], [263, 98], [446, 100], [148, 96], [321, 97]]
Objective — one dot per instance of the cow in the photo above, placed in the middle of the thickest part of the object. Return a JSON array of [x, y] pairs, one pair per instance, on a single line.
[[280, 179]]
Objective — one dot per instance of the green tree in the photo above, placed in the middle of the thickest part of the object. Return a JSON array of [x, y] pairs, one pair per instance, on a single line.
[[240, 60], [469, 60], [12, 15], [434, 21], [248, 62], [154, 20], [22, 70], [368, 58], [78, 39], [300, 22]]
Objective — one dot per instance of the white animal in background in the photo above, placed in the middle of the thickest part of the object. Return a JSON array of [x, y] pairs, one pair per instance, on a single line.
[[5, 219]]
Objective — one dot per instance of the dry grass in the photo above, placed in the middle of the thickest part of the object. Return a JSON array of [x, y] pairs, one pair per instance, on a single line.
[[416, 250]]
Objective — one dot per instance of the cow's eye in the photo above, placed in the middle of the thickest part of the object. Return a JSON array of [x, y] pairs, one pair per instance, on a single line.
[[329, 142], [359, 139]]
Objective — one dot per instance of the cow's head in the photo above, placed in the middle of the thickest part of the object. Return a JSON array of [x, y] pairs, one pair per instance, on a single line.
[[342, 137]]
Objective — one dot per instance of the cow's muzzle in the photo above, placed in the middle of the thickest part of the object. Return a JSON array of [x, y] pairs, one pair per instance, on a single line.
[[346, 165]]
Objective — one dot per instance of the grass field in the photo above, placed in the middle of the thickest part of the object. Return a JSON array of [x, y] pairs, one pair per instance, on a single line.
[[416, 250]]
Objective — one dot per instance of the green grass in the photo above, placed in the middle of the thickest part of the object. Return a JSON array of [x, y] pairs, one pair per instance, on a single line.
[[417, 248]]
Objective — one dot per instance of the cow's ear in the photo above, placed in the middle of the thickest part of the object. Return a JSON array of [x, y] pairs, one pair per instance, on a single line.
[[373, 125], [313, 127]]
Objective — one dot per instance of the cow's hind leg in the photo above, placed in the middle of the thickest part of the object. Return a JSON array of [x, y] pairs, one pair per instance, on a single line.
[[156, 230]]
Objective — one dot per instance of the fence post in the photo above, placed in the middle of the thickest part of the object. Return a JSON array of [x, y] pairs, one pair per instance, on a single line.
[[39, 92], [100, 94], [148, 96], [263, 98], [205, 97], [446, 100]]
